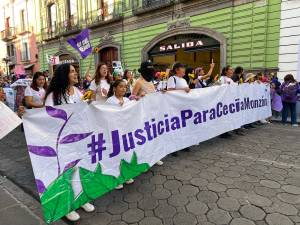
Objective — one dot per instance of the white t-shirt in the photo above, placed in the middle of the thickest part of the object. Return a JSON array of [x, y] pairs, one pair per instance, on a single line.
[[177, 82], [37, 96], [71, 99], [226, 80], [162, 85], [99, 88], [113, 100]]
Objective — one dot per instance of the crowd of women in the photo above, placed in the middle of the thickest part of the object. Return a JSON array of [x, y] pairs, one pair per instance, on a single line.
[[119, 89]]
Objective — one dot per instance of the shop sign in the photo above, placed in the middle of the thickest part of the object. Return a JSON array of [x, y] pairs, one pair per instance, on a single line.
[[52, 60], [70, 61], [189, 44]]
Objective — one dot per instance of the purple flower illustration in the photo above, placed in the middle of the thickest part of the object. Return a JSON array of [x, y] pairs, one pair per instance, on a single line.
[[46, 151], [71, 164], [40, 186]]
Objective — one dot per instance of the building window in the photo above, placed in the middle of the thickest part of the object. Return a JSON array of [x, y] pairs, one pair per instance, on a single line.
[[11, 50], [7, 26], [52, 19], [72, 13], [25, 55], [22, 20]]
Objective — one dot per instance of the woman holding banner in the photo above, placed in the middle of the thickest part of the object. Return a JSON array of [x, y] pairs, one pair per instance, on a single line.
[[62, 91], [144, 85], [35, 94], [101, 83]]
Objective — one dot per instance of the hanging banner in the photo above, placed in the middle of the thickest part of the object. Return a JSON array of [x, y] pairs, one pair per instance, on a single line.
[[52, 60], [82, 43], [8, 120], [80, 152]]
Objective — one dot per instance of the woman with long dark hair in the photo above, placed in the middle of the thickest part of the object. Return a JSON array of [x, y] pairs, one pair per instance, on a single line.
[[62, 88], [35, 94], [62, 91], [101, 82]]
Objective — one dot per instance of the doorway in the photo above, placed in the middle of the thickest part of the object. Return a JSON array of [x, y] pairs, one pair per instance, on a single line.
[[107, 55]]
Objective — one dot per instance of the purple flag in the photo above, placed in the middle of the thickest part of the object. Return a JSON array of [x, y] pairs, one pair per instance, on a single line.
[[82, 43]]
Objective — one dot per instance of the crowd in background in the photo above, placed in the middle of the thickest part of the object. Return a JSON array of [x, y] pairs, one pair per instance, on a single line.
[[119, 89], [103, 85]]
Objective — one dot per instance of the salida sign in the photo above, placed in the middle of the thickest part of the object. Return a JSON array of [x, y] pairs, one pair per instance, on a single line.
[[188, 44]]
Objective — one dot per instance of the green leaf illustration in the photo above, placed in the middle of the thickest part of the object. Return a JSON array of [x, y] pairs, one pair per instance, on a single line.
[[95, 183], [132, 169], [57, 200]]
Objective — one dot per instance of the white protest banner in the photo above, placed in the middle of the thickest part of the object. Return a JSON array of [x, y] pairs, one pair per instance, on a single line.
[[8, 120], [10, 98], [80, 152]]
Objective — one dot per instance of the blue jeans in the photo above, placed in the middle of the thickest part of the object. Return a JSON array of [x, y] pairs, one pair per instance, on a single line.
[[285, 111]]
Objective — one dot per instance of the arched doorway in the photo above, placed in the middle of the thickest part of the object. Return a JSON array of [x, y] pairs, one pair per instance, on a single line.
[[108, 55], [191, 46]]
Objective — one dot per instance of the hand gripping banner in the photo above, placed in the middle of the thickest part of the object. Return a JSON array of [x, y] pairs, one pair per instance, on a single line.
[[79, 152]]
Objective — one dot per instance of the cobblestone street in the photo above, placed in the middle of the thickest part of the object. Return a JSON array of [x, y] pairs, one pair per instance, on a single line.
[[244, 180]]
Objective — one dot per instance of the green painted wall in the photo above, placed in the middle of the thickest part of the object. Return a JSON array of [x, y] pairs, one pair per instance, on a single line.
[[252, 34]]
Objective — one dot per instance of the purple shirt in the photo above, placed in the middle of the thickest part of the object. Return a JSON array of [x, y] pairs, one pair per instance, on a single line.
[[289, 92]]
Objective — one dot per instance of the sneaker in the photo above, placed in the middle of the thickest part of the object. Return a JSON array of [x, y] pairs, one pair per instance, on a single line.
[[130, 181], [159, 163], [295, 125], [119, 187], [73, 216], [88, 207], [264, 121]]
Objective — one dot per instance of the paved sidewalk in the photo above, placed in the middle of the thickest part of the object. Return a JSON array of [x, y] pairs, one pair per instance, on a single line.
[[17, 207], [244, 180]]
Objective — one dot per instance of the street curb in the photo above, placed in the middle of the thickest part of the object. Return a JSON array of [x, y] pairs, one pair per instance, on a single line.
[[31, 205]]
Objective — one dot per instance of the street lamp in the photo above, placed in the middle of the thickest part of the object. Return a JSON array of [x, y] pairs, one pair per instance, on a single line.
[[6, 60]]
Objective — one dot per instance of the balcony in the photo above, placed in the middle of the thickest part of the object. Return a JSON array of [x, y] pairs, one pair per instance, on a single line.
[[142, 6], [24, 30], [64, 28], [8, 34], [108, 13], [49, 33], [69, 26]]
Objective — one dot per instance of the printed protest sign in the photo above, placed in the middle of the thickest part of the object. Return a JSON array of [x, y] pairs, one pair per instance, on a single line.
[[82, 43], [80, 152], [8, 120]]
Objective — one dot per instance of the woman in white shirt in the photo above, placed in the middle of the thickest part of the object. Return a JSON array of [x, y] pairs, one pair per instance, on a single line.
[[128, 76], [101, 83], [35, 94], [116, 96], [227, 73], [62, 91], [177, 82]]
